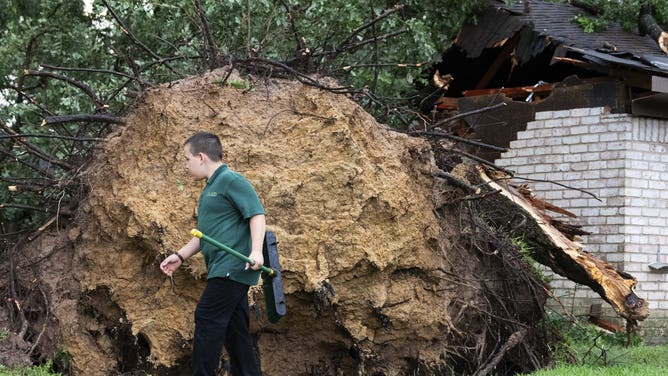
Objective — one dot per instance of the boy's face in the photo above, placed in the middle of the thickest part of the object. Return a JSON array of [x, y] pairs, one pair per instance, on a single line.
[[194, 163]]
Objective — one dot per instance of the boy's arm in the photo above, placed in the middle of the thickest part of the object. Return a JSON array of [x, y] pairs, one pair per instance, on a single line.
[[257, 227], [173, 261]]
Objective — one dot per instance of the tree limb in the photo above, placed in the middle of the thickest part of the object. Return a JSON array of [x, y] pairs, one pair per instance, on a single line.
[[210, 46], [36, 150], [50, 120], [647, 25], [371, 23], [459, 139], [350, 47], [100, 106], [301, 77], [37, 135], [92, 70], [136, 40], [466, 114], [596, 10]]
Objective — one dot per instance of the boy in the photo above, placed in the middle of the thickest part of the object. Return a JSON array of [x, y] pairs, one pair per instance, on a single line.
[[230, 212]]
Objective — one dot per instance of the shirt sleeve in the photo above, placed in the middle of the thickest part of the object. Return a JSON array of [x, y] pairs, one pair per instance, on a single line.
[[244, 197]]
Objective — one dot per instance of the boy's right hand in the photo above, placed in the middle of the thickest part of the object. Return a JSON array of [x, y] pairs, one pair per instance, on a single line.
[[170, 264]]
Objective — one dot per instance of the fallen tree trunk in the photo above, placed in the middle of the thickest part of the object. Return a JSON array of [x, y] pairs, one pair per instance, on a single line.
[[561, 253], [647, 25]]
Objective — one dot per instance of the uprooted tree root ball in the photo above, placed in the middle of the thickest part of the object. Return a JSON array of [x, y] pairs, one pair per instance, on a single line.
[[387, 269]]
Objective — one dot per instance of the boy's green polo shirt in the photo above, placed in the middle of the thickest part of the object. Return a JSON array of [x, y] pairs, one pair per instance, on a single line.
[[225, 205]]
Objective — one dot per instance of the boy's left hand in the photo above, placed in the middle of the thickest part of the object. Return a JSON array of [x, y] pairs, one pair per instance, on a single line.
[[259, 261]]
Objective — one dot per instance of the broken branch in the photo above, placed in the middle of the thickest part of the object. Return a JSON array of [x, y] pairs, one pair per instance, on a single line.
[[466, 114], [35, 135], [375, 20], [459, 139], [83, 87], [565, 256], [50, 120], [647, 25], [36, 150], [136, 40], [210, 46]]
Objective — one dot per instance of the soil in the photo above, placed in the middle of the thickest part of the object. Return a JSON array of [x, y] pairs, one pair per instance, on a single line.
[[384, 271]]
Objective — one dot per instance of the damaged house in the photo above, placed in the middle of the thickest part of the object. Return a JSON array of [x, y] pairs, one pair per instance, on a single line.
[[585, 126]]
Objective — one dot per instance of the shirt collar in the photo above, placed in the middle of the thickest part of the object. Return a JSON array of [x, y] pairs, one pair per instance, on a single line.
[[215, 174]]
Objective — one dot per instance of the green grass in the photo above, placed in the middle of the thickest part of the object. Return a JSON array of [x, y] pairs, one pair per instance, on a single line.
[[42, 370], [586, 351]]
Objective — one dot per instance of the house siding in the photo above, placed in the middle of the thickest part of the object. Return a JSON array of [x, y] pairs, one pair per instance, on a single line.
[[622, 160]]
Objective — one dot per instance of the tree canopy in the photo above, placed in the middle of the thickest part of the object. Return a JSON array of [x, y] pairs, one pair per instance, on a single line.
[[68, 68]]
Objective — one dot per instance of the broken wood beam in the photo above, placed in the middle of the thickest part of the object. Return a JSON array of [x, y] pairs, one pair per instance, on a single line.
[[512, 92]]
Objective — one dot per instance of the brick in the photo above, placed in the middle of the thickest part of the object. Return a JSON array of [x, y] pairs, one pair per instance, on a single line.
[[620, 127], [611, 155], [518, 144], [553, 196], [588, 137], [590, 120], [599, 183], [606, 137], [563, 167], [596, 148], [537, 124], [597, 165], [607, 211], [561, 114], [578, 176], [571, 121], [639, 202], [580, 203], [580, 112], [619, 145], [533, 142], [614, 238], [651, 157], [524, 135], [609, 173], [647, 230], [598, 128], [544, 115], [588, 212], [638, 183], [579, 166], [639, 146], [658, 148], [559, 149], [578, 148], [525, 152], [597, 111], [569, 140], [543, 168], [614, 220]]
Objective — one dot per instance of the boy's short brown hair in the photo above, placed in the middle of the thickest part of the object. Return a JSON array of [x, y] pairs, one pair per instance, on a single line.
[[206, 143]]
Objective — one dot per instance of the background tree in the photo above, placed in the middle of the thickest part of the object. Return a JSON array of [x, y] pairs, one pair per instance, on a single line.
[[646, 16], [70, 69]]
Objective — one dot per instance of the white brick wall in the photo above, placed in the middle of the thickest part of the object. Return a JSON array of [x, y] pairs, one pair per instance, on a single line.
[[623, 161]]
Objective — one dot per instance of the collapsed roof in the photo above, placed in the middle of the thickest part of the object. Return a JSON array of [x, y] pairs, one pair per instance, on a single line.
[[526, 55], [541, 25]]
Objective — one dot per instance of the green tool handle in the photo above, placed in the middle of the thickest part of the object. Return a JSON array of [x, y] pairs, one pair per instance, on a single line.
[[210, 240]]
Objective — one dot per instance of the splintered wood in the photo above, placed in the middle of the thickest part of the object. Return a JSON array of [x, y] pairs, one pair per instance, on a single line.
[[553, 243]]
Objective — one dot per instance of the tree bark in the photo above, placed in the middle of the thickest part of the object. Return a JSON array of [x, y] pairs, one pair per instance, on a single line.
[[647, 25], [564, 256]]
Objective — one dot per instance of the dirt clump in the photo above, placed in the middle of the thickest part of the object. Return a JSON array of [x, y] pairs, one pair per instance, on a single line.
[[384, 269]]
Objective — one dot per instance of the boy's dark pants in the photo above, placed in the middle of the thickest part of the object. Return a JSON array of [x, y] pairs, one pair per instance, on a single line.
[[221, 318]]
